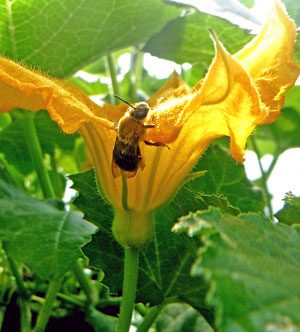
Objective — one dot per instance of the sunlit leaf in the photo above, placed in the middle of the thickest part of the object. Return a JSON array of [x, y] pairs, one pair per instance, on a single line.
[[248, 3], [62, 37], [186, 39], [280, 135], [290, 213]]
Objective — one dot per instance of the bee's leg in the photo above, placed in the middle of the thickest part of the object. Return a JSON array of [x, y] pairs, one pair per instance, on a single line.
[[116, 125], [152, 125], [157, 144], [141, 164]]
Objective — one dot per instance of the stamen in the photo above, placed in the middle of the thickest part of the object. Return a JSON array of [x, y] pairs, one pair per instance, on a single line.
[[124, 192]]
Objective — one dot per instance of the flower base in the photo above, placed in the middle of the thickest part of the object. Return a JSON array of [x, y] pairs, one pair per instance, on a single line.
[[133, 228]]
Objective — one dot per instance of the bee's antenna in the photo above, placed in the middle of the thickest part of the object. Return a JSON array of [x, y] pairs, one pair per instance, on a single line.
[[126, 102]]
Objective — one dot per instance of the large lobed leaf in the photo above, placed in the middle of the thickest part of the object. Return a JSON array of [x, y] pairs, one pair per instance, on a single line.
[[227, 178], [61, 37], [186, 39], [36, 233], [253, 268]]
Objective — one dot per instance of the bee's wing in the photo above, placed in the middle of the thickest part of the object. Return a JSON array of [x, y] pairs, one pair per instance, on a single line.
[[116, 171], [129, 174]]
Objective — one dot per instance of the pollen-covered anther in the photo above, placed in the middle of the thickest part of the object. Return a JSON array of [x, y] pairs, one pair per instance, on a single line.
[[168, 118]]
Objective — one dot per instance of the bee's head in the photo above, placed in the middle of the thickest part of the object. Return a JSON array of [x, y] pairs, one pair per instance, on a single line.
[[140, 111]]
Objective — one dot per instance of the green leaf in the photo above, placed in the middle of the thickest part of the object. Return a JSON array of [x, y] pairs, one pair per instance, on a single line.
[[292, 99], [226, 177], [253, 268], [290, 213], [60, 38], [164, 272], [5, 120], [186, 39], [14, 145], [293, 8], [280, 135], [5, 175], [177, 317], [248, 3], [90, 88], [217, 201], [230, 10], [39, 235]]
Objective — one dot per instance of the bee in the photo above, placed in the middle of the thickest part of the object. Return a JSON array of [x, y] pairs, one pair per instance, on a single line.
[[130, 131]]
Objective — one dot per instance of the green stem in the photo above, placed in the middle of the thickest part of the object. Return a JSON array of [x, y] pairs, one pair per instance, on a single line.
[[37, 156], [111, 301], [85, 283], [150, 318], [113, 76], [57, 182], [25, 314], [67, 298], [23, 291], [141, 309], [2, 315], [129, 288], [137, 74], [72, 300], [273, 163], [263, 178], [46, 309]]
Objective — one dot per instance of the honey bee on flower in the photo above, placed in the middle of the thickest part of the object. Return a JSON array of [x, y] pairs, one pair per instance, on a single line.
[[130, 131]]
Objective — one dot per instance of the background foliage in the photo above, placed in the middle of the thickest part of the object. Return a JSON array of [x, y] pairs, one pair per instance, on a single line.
[[218, 270]]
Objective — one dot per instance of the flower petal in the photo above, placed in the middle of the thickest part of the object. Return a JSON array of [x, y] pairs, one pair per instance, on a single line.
[[269, 60], [227, 104], [28, 89], [174, 87]]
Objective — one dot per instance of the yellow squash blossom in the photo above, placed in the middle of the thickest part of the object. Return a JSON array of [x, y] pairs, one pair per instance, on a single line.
[[238, 93]]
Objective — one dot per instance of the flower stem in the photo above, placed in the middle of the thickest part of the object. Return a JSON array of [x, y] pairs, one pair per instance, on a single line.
[[85, 283], [37, 156], [150, 318], [113, 76], [46, 309], [263, 177], [129, 288]]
